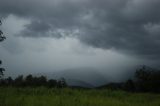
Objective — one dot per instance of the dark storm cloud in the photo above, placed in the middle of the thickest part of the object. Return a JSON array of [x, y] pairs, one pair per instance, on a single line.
[[37, 28], [130, 26]]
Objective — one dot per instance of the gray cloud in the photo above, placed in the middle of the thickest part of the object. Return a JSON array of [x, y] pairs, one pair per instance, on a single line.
[[36, 29], [129, 26]]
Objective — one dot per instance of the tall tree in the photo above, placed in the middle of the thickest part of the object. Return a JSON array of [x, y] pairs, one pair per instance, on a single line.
[[2, 37]]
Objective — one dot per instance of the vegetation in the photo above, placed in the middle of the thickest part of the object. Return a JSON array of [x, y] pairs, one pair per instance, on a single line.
[[1, 70], [1, 39], [146, 80], [74, 97], [38, 91], [30, 81]]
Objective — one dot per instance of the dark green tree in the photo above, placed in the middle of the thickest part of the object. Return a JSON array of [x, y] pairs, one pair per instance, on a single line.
[[147, 79], [42, 80], [1, 70], [129, 85], [52, 83], [29, 80], [62, 83], [9, 81], [19, 82], [2, 37]]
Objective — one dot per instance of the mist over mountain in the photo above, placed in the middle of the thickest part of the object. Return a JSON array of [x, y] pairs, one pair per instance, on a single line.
[[88, 76], [79, 83]]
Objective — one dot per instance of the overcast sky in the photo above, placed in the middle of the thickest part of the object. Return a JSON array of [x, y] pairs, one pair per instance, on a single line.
[[52, 35]]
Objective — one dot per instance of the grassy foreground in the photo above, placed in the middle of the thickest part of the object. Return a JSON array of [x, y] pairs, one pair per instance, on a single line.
[[68, 97]]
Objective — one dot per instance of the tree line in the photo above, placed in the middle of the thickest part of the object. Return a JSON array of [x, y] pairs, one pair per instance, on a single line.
[[33, 81], [146, 79]]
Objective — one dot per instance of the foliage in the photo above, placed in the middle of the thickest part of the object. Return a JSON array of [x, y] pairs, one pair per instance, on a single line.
[[30, 81], [1, 39], [129, 85], [147, 79]]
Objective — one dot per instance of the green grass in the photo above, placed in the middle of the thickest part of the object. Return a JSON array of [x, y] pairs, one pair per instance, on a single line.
[[68, 97]]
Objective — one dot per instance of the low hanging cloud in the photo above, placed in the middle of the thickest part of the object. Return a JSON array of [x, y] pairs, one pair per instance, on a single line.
[[128, 26]]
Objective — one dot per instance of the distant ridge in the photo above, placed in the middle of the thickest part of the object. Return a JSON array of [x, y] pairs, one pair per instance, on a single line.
[[84, 77], [78, 83]]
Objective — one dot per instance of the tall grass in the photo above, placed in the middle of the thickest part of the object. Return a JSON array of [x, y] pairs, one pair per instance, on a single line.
[[68, 97]]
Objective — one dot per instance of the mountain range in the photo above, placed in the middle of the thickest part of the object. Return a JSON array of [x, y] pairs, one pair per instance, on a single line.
[[83, 77]]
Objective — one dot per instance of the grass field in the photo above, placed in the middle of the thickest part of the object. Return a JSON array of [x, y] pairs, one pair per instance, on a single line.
[[68, 97]]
